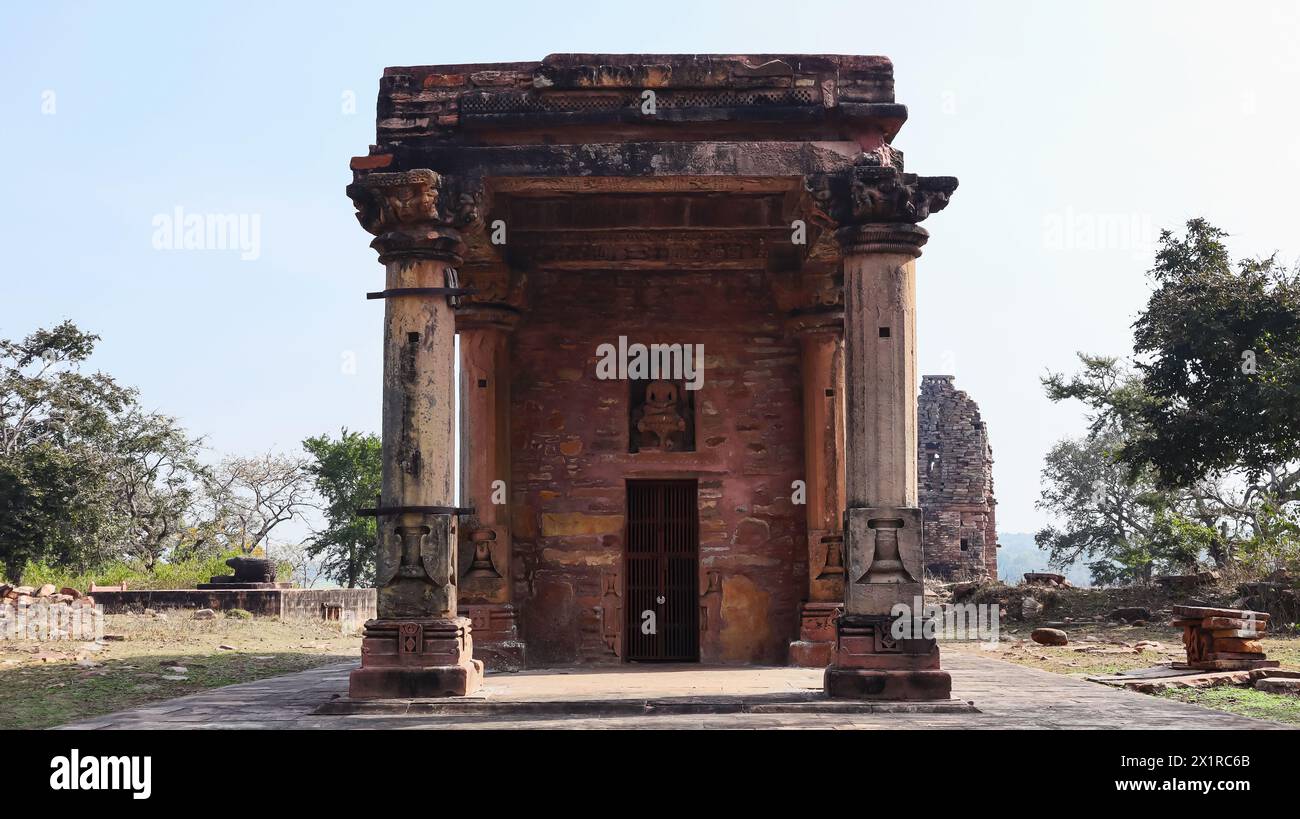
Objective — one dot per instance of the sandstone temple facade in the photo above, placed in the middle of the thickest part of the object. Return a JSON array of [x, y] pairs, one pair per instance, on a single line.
[[747, 223]]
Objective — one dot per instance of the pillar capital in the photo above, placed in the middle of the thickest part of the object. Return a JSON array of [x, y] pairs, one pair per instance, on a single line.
[[416, 214], [877, 205], [900, 238]]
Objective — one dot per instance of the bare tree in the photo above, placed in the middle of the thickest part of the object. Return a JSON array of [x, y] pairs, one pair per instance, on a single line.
[[154, 480], [303, 569], [247, 498]]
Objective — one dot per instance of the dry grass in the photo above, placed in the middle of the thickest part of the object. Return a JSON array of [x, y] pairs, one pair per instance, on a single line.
[[1097, 649], [50, 683]]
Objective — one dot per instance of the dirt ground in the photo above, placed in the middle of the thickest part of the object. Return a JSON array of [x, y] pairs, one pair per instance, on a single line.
[[1100, 647], [146, 659]]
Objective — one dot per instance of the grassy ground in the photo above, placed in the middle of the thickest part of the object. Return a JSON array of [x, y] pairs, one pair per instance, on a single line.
[[1245, 701], [1097, 649], [50, 683]]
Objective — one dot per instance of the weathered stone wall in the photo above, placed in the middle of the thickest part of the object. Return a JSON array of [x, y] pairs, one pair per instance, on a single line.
[[287, 604], [570, 461], [955, 465]]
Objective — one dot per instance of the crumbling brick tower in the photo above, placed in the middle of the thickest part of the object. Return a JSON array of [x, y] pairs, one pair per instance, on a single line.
[[956, 483]]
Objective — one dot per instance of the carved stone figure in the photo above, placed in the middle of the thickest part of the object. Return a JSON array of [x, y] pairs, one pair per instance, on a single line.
[[660, 416]]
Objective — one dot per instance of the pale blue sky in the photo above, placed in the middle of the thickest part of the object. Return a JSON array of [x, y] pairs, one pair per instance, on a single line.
[[1053, 115]]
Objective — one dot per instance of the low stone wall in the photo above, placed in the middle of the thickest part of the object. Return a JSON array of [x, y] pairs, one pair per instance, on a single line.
[[315, 604], [357, 605]]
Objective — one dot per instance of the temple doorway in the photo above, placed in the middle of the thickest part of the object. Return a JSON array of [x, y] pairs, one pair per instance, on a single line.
[[662, 571]]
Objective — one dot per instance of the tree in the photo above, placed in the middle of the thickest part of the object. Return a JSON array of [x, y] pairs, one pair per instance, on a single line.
[[348, 474], [1218, 353], [245, 499], [154, 481], [1119, 520], [52, 489], [1106, 517]]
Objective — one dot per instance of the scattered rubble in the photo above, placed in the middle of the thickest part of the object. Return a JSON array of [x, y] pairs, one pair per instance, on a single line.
[[1130, 614], [1049, 637], [1029, 607], [1222, 639], [1049, 579]]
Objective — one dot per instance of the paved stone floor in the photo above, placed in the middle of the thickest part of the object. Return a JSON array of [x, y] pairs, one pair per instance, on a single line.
[[1006, 696]]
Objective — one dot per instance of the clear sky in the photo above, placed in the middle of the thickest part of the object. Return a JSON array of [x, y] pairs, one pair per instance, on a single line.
[[1059, 119]]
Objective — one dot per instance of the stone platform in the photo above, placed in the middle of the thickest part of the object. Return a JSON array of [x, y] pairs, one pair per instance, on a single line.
[[612, 706], [1005, 695]]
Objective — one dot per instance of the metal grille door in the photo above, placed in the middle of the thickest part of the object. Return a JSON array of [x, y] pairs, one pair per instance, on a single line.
[[662, 572]]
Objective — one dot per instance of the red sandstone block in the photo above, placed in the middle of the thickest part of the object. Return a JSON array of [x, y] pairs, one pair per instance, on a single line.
[[366, 163], [443, 80], [1218, 623], [449, 119]]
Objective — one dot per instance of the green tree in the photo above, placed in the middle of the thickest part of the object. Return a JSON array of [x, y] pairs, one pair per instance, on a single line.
[[348, 474], [1119, 520], [53, 499], [1218, 353]]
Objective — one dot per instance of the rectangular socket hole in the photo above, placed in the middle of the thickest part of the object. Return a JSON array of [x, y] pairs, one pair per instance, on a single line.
[[482, 383], [884, 332]]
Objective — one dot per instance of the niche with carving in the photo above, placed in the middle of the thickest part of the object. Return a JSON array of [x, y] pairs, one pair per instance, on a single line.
[[661, 416]]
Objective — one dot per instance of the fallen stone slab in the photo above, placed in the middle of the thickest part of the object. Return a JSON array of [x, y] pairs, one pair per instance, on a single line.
[[1210, 680], [1278, 685], [1233, 624], [1227, 665], [1260, 673], [1202, 612], [1237, 633]]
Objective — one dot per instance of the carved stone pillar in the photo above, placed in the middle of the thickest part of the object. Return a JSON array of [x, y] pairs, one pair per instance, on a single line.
[[486, 586], [418, 646], [882, 524], [822, 363]]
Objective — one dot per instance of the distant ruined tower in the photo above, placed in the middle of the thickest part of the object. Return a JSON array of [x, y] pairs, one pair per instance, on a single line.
[[955, 469]]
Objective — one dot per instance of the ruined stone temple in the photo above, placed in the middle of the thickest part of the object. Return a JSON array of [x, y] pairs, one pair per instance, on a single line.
[[684, 287], [956, 483]]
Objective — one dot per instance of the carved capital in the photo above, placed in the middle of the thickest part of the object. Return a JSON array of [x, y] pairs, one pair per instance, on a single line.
[[877, 205], [902, 238], [416, 214], [886, 194]]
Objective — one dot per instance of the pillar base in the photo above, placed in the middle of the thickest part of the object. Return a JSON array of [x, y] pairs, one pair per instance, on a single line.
[[496, 635], [871, 664], [874, 684], [416, 659], [815, 647]]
